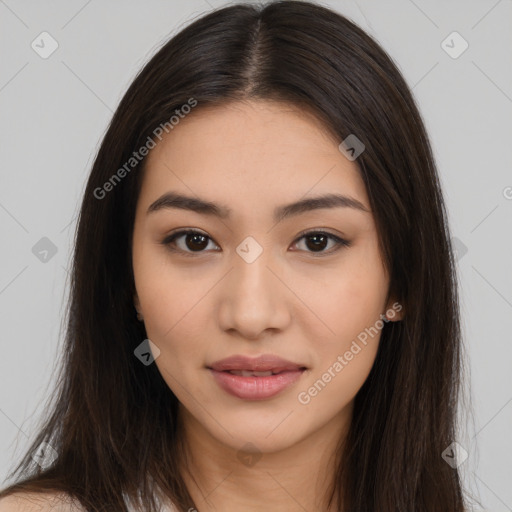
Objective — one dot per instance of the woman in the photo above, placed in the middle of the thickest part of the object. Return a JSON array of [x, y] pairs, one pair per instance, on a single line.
[[264, 310]]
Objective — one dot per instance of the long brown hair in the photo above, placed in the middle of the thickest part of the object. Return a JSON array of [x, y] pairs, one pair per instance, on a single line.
[[112, 424]]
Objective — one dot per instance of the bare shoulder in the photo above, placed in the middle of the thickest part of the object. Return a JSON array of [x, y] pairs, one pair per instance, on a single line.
[[36, 502]]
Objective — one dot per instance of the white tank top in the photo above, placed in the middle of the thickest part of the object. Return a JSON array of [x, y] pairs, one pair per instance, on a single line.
[[163, 508]]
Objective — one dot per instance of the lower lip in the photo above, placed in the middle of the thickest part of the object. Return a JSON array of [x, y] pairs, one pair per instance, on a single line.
[[255, 388]]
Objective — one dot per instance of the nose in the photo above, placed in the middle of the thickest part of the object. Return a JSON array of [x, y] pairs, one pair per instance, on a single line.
[[254, 298]]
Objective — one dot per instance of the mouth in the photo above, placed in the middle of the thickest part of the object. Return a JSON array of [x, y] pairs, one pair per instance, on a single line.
[[258, 366], [255, 379], [268, 373]]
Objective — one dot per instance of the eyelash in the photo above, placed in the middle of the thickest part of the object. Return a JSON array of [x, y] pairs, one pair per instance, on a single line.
[[172, 237]]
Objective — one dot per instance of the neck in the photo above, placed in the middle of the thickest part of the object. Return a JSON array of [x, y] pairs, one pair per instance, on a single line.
[[296, 478]]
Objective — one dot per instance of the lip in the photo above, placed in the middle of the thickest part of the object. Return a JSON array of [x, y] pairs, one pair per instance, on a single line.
[[254, 387], [262, 363]]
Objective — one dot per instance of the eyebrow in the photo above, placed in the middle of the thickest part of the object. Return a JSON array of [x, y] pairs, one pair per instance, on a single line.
[[195, 204]]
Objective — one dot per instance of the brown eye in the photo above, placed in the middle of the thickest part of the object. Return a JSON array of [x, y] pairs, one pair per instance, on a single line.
[[192, 241], [196, 241], [317, 241]]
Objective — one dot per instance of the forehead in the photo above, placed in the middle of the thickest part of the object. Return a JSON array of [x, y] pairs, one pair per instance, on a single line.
[[264, 126], [242, 152]]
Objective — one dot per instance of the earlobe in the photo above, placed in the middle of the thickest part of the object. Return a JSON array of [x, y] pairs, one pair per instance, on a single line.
[[395, 311]]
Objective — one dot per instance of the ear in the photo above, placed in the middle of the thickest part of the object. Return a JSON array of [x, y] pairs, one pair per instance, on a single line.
[[395, 310]]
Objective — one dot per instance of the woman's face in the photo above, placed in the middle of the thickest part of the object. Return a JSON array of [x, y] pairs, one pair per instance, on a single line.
[[250, 283]]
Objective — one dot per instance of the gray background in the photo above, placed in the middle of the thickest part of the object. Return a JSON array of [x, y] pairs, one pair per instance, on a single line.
[[54, 112]]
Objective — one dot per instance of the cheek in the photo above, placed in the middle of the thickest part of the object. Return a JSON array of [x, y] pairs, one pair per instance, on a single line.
[[169, 319], [174, 313], [172, 325], [353, 299], [334, 385], [350, 306], [344, 358]]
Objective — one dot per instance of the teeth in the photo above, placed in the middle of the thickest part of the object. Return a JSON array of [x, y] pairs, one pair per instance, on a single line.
[[246, 373]]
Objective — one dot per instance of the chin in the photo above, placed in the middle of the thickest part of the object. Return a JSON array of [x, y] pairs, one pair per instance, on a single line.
[[262, 438]]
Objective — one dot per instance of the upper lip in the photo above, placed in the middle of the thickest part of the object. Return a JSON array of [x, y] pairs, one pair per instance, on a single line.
[[262, 363]]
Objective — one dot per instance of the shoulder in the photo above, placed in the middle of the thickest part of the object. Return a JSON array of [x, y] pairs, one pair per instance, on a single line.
[[39, 502]]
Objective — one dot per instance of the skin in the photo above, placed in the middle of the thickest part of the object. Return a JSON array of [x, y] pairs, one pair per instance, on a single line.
[[291, 301]]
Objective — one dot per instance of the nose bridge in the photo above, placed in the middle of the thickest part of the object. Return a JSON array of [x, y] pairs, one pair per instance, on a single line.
[[251, 299], [251, 275]]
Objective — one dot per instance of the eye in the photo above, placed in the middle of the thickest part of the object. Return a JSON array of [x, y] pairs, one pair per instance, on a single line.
[[319, 239], [196, 241]]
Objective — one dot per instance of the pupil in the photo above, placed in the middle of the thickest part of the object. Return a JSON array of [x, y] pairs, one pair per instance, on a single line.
[[196, 236], [315, 244]]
